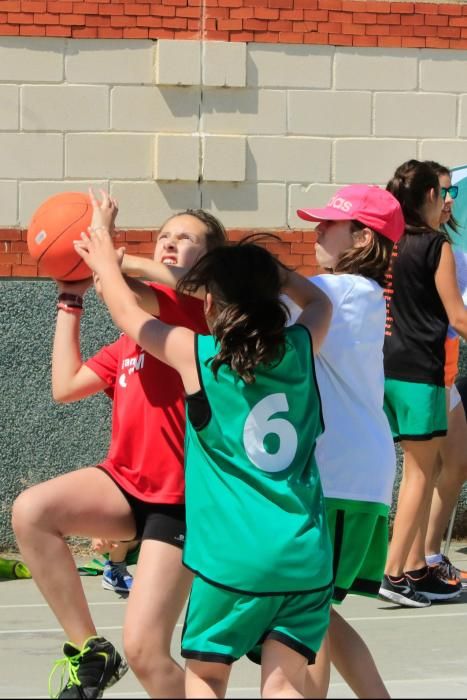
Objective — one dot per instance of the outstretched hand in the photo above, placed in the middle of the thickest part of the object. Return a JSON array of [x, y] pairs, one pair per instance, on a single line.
[[104, 212], [97, 250]]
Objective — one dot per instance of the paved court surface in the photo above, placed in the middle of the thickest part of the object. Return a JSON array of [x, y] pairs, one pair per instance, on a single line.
[[421, 653]]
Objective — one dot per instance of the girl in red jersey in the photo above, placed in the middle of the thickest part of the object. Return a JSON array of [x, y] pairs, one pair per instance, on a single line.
[[138, 489]]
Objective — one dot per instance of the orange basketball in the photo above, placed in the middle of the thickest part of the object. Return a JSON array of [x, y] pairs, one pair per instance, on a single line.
[[54, 226]]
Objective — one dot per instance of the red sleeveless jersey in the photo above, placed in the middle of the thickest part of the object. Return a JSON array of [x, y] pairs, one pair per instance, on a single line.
[[148, 418]]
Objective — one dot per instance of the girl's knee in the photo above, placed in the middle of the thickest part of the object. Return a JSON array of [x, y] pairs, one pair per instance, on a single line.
[[24, 511], [145, 652], [31, 511]]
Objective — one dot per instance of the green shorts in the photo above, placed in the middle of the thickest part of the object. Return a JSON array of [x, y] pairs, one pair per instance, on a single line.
[[415, 411], [222, 625], [359, 535]]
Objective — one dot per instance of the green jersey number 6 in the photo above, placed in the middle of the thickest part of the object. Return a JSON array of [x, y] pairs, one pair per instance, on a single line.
[[259, 424]]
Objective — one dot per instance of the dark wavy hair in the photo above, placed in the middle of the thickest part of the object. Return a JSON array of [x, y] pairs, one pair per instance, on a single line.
[[442, 170], [370, 261], [215, 232], [244, 280], [410, 185]]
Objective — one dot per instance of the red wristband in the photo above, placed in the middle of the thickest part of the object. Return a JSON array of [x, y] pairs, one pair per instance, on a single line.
[[69, 308]]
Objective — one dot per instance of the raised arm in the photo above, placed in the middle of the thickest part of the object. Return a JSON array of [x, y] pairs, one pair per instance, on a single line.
[[448, 290], [316, 306], [173, 345], [71, 379], [134, 266]]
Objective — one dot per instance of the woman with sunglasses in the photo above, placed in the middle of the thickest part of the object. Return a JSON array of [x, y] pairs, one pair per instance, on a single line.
[[423, 298], [453, 461]]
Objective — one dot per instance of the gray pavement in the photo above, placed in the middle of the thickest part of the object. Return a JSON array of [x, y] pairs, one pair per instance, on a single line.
[[420, 653]]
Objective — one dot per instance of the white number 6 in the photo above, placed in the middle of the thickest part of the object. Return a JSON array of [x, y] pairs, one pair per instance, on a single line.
[[260, 423]]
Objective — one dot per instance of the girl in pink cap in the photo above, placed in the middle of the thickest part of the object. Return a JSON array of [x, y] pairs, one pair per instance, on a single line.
[[356, 458]]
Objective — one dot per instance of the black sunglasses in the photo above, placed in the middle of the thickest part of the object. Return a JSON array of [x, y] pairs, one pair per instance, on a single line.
[[451, 191]]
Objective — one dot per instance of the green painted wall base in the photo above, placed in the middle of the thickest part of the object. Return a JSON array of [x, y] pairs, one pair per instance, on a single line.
[[41, 439]]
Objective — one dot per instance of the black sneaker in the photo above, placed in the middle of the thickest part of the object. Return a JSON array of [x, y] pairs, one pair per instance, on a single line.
[[449, 571], [434, 586], [91, 670], [402, 593]]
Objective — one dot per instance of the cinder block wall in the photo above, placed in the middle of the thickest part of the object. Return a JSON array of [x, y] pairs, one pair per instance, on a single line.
[[249, 108]]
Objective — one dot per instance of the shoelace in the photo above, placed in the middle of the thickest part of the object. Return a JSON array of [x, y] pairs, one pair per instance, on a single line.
[[70, 664], [453, 571]]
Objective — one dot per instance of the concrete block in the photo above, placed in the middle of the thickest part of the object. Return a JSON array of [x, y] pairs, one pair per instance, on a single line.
[[463, 116], [244, 111], [149, 204], [32, 194], [326, 113], [9, 107], [443, 71], [8, 203], [289, 65], [23, 59], [31, 156], [178, 62], [107, 61], [64, 108], [310, 197], [288, 159], [224, 158], [224, 63], [259, 205], [375, 69], [177, 157], [415, 115], [125, 156], [450, 153], [155, 109], [370, 160]]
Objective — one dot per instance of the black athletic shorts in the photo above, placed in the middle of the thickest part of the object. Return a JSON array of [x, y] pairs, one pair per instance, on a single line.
[[164, 522]]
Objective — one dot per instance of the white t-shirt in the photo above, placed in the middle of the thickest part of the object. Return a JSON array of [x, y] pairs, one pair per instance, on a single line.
[[355, 455]]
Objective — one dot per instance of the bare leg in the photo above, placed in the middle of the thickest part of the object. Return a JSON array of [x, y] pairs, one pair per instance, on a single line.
[[118, 552], [86, 503], [450, 481], [160, 589], [352, 658], [319, 674], [415, 492], [283, 671], [206, 680]]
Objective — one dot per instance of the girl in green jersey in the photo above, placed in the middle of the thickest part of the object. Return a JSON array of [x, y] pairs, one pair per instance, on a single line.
[[257, 536]]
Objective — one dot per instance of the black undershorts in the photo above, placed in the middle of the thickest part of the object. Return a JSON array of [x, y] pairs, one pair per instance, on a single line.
[[164, 522]]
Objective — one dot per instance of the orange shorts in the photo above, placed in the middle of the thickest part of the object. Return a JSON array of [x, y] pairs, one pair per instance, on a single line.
[[451, 347]]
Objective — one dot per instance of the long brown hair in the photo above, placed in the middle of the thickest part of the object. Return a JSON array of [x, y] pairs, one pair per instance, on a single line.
[[371, 260], [410, 185], [245, 283]]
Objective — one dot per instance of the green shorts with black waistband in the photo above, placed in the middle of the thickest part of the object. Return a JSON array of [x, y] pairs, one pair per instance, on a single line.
[[415, 411], [359, 536], [222, 625]]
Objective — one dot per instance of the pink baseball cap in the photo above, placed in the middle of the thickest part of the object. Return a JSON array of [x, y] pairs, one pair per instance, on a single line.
[[369, 204]]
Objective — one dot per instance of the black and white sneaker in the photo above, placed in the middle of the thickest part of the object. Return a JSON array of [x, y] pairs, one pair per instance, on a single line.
[[401, 592], [433, 585]]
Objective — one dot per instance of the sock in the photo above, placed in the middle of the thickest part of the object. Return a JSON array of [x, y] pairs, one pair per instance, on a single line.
[[417, 574], [433, 559]]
